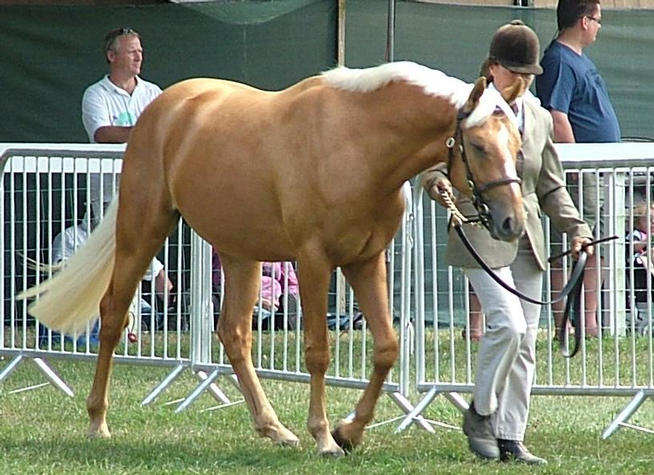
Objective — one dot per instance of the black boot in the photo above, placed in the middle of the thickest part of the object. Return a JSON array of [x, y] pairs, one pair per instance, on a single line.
[[481, 440], [515, 450]]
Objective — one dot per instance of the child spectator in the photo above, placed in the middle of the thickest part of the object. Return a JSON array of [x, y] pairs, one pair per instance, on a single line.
[[639, 254], [278, 280]]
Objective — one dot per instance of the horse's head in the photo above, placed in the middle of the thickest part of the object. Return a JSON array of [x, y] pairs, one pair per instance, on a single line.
[[483, 154]]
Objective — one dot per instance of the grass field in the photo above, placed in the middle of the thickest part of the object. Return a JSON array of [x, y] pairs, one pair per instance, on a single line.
[[43, 431]]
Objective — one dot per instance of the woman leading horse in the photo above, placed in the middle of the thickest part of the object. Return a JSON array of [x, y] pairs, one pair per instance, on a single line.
[[312, 173]]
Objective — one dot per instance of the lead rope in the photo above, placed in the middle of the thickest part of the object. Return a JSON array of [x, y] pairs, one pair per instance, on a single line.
[[457, 218]]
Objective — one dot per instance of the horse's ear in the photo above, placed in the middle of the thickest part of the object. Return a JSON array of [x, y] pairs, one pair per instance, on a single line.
[[477, 91], [515, 90]]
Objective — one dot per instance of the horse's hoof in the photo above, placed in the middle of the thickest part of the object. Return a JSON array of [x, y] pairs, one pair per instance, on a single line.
[[280, 435], [345, 442], [334, 451], [289, 441], [98, 435], [100, 432]]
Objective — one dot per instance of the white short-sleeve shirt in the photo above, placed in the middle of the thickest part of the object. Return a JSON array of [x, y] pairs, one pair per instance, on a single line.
[[105, 104]]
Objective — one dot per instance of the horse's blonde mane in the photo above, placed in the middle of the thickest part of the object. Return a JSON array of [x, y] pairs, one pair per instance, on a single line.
[[433, 82]]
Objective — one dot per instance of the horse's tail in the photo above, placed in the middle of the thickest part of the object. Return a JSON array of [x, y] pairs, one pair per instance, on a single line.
[[69, 300]]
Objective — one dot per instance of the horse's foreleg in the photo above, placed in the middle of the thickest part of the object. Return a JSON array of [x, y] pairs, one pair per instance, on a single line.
[[314, 285], [235, 331], [368, 279]]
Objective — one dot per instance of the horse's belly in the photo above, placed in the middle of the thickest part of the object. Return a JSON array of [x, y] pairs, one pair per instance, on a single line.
[[242, 234], [246, 208], [364, 240]]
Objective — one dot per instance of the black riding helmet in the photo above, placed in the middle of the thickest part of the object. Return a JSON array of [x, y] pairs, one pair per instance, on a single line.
[[516, 47]]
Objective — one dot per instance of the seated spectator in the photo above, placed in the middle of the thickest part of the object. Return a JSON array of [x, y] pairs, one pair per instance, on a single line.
[[639, 255], [73, 237], [279, 290], [162, 290]]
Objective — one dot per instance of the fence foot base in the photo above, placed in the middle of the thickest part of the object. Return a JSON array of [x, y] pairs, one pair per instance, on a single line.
[[456, 399], [406, 407], [51, 376], [625, 414], [47, 371], [207, 383], [163, 385], [414, 417], [414, 414], [213, 389], [13, 364], [409, 410]]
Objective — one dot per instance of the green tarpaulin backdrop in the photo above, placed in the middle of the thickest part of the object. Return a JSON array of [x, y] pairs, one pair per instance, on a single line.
[[50, 54]]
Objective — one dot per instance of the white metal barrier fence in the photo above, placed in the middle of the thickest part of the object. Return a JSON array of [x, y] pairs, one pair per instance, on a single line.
[[619, 362], [50, 189], [47, 194], [45, 188]]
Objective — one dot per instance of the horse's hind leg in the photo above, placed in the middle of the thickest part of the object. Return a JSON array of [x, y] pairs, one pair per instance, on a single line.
[[368, 280], [137, 241], [113, 315], [235, 331]]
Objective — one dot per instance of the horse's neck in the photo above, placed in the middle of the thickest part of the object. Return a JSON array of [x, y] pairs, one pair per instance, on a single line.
[[414, 126]]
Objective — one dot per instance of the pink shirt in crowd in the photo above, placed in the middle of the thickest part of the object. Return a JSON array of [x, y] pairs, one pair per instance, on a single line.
[[277, 278]]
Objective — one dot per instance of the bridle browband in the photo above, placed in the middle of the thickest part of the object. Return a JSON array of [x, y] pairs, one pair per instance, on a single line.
[[477, 190]]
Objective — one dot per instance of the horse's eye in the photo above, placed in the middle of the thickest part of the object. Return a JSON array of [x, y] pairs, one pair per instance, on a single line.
[[478, 147]]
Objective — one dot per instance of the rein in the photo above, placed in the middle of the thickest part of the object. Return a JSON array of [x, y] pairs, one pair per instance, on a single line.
[[572, 289]]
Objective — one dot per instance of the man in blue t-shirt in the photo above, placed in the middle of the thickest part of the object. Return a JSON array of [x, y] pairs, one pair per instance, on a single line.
[[573, 91], [570, 86]]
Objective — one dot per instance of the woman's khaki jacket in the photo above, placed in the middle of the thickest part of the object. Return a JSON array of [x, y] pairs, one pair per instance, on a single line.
[[543, 190]]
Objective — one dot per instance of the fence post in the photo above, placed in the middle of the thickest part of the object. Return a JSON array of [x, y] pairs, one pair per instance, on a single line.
[[201, 306]]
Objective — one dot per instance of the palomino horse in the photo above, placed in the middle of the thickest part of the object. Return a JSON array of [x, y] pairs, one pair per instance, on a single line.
[[312, 173]]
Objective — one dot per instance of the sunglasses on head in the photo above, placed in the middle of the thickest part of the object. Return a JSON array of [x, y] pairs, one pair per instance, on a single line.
[[113, 34]]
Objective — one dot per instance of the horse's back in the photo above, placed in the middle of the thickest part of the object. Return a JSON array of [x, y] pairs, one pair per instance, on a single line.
[[199, 93], [207, 105], [221, 152]]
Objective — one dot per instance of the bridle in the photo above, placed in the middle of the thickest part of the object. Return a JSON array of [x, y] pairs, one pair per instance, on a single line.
[[477, 190]]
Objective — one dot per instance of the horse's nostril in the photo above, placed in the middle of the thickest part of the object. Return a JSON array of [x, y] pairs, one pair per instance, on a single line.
[[511, 227], [508, 225]]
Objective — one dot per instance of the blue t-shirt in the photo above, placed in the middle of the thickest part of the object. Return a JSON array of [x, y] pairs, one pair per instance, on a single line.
[[570, 83]]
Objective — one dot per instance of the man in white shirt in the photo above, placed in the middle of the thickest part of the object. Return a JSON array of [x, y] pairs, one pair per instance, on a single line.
[[111, 106]]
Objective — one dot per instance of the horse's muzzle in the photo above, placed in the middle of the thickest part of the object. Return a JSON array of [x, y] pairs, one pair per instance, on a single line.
[[508, 229], [505, 224]]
